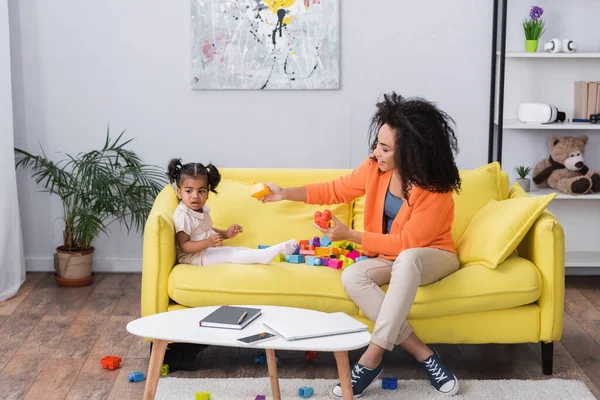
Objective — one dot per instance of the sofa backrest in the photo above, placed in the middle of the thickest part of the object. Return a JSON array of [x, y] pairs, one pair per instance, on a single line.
[[269, 223]]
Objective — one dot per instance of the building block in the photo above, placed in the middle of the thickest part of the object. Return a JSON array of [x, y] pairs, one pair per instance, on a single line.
[[322, 251], [295, 259], [344, 251], [303, 243], [322, 219], [350, 247], [136, 376], [260, 359], [316, 242], [325, 261], [305, 392], [279, 258], [259, 190], [334, 263], [389, 383], [335, 251], [347, 262], [164, 370], [310, 355], [297, 251], [310, 260], [353, 255], [361, 258], [263, 246], [325, 241], [307, 252], [202, 396], [111, 362], [260, 397]]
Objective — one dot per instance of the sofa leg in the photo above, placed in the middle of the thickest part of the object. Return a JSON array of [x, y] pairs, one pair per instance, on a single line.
[[547, 355]]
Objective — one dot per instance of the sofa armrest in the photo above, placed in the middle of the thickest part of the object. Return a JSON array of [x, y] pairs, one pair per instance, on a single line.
[[544, 245]]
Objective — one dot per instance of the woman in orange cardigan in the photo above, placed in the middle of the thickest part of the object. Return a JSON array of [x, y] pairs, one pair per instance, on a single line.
[[408, 181]]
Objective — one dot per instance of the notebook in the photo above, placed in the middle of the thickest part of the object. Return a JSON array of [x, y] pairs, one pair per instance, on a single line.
[[228, 317], [320, 325]]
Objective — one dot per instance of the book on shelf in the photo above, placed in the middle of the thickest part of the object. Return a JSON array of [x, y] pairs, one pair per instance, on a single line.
[[591, 101], [580, 99]]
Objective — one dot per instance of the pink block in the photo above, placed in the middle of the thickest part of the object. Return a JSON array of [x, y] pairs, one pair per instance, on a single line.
[[353, 255], [335, 263]]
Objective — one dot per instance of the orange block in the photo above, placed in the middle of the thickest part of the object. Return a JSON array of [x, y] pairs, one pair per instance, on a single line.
[[323, 251], [111, 362], [259, 190]]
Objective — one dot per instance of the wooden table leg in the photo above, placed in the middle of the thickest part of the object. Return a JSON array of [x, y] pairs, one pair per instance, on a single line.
[[272, 364], [156, 359], [343, 366]]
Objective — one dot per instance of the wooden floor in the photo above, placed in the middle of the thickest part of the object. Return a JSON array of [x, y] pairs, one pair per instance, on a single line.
[[52, 338]]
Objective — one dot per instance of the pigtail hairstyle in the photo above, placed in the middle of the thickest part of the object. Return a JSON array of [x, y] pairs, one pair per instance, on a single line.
[[174, 170], [214, 177]]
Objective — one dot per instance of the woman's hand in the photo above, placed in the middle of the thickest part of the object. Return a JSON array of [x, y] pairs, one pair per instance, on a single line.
[[275, 195], [233, 230], [214, 240], [339, 231]]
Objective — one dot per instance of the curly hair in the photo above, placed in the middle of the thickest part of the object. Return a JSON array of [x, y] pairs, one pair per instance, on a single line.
[[176, 171], [425, 143]]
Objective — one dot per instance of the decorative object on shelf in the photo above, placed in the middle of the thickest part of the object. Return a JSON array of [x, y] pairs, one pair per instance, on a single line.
[[565, 169], [534, 28], [557, 45], [539, 113], [265, 44], [110, 184], [569, 46], [523, 171]]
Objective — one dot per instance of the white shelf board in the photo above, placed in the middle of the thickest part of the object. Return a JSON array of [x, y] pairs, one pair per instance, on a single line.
[[543, 54], [535, 192], [516, 124]]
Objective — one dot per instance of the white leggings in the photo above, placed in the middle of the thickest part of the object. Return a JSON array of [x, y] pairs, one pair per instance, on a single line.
[[245, 255]]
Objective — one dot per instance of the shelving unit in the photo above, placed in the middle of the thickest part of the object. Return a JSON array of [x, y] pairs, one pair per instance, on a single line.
[[543, 77]]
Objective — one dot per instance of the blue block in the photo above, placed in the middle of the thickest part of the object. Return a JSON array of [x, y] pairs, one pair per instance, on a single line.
[[297, 251], [263, 246], [260, 359], [361, 258], [325, 241], [305, 391], [311, 260], [389, 383], [136, 376], [295, 259]]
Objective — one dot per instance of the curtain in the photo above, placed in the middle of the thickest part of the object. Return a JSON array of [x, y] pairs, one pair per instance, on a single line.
[[12, 262]]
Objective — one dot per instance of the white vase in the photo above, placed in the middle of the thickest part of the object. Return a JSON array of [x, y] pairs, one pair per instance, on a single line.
[[525, 184]]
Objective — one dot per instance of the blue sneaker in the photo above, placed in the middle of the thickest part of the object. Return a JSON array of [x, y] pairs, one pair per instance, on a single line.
[[440, 376], [361, 377]]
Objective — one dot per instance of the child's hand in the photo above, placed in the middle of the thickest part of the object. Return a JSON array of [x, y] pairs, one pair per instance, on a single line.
[[215, 240], [233, 230], [339, 231], [275, 195]]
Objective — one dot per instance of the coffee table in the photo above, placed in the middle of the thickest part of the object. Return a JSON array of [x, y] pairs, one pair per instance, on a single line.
[[182, 326]]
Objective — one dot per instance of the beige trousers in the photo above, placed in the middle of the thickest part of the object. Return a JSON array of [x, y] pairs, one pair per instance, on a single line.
[[412, 268]]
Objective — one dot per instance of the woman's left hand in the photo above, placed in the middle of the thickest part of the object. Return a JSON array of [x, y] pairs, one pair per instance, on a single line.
[[339, 231], [233, 230]]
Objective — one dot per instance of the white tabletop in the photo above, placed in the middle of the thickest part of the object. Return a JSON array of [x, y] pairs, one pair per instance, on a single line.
[[182, 326]]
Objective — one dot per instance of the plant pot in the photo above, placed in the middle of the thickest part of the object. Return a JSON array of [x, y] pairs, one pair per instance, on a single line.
[[73, 268], [531, 46], [525, 184]]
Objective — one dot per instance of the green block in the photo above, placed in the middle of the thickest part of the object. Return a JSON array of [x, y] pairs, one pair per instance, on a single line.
[[202, 396], [279, 258], [164, 370]]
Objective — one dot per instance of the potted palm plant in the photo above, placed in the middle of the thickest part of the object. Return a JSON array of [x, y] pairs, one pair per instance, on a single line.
[[97, 188], [523, 171]]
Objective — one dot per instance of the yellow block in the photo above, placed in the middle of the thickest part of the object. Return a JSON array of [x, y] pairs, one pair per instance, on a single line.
[[259, 190]]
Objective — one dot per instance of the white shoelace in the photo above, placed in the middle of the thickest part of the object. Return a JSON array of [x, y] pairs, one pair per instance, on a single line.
[[355, 373], [435, 370]]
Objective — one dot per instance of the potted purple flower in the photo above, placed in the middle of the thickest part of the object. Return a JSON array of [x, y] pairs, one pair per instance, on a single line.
[[534, 28]]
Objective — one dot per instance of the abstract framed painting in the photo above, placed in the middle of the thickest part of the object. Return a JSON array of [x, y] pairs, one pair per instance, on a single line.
[[265, 44]]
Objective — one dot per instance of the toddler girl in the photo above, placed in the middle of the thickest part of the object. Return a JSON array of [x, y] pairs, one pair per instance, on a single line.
[[198, 242]]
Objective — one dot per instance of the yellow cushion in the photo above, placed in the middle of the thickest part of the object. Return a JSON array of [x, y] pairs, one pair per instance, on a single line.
[[514, 283], [478, 187], [283, 284], [497, 229], [268, 223]]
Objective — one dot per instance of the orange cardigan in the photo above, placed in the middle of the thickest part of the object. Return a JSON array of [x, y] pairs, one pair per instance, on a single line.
[[427, 222]]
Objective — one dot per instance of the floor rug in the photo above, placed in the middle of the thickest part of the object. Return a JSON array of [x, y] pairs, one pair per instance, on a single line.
[[248, 388]]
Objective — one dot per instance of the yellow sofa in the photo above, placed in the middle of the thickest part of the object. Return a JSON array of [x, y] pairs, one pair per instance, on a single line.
[[519, 301]]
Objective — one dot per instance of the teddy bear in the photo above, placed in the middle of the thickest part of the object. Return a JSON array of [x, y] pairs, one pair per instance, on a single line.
[[565, 170]]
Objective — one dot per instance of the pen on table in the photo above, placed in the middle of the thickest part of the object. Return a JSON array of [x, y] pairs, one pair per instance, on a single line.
[[242, 317]]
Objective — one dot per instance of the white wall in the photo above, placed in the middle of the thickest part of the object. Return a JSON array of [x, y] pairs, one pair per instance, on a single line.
[[80, 65]]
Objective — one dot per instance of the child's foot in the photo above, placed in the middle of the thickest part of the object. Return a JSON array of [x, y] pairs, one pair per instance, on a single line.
[[289, 247], [362, 377], [440, 376]]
